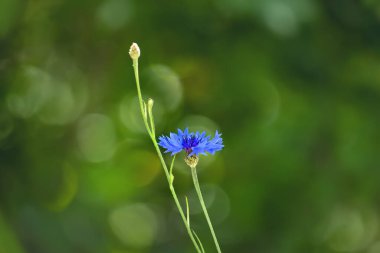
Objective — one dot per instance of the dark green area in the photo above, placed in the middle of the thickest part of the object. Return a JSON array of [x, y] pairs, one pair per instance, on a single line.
[[293, 85]]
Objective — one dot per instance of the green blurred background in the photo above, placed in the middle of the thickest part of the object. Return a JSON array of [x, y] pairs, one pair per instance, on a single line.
[[293, 85]]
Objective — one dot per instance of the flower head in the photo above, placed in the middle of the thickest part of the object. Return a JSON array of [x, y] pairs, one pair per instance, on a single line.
[[134, 51], [193, 144]]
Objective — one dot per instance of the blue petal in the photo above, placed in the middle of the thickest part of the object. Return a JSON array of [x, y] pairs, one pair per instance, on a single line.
[[171, 144], [197, 143]]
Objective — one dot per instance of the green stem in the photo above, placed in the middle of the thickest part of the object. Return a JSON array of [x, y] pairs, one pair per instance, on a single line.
[[200, 197], [152, 136], [141, 101]]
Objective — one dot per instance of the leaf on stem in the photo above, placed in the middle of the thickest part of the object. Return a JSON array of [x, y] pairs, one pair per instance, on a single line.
[[187, 212], [171, 171], [199, 241], [145, 111], [150, 113]]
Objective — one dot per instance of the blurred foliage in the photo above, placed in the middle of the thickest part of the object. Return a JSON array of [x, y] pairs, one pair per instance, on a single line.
[[293, 85]]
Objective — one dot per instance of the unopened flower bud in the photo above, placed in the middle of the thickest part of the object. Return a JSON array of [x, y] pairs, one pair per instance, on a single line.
[[134, 51], [150, 104]]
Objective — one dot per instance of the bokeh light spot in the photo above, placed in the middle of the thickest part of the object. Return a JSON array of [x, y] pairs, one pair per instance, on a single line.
[[30, 93], [164, 85], [54, 101], [199, 123], [64, 104], [374, 248], [280, 18], [114, 13], [96, 137], [350, 229], [135, 225]]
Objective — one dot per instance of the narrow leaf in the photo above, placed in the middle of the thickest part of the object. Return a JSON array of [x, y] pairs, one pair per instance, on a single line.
[[150, 113], [171, 171], [187, 212], [199, 241], [145, 110]]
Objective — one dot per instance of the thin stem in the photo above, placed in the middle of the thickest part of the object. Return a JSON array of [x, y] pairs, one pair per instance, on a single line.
[[141, 101], [174, 194], [152, 136], [200, 197]]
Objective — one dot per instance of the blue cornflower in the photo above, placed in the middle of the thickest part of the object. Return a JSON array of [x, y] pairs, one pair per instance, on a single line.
[[193, 144]]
